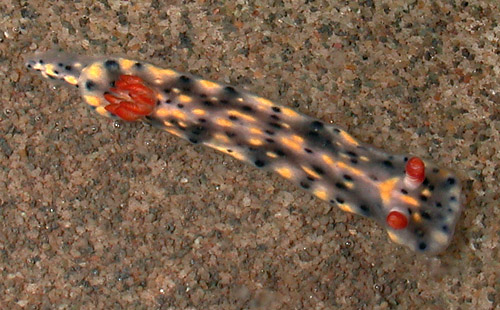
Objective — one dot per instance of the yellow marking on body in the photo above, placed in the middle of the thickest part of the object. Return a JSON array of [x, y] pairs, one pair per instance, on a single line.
[[94, 72], [174, 131], [364, 158], [416, 217], [239, 156], [386, 188], [263, 103], [321, 194], [243, 116], [49, 69], [162, 112], [311, 172], [199, 112], [410, 200], [240, 99], [271, 154], [233, 153], [184, 99], [179, 115], [255, 141], [327, 159], [350, 169], [102, 111], [394, 237], [285, 172], [159, 74], [294, 142], [426, 192], [289, 112], [285, 125], [209, 85], [348, 138], [348, 184], [224, 122], [182, 124], [126, 64], [439, 236], [256, 131], [346, 207], [92, 100], [71, 79], [221, 138]]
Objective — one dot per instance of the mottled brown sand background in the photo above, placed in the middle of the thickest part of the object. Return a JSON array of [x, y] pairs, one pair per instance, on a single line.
[[96, 214]]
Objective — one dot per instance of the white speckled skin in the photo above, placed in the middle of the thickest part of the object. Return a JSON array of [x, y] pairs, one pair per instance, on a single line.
[[320, 158]]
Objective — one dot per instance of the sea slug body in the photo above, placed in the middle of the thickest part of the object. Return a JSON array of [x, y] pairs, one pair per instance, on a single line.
[[416, 201]]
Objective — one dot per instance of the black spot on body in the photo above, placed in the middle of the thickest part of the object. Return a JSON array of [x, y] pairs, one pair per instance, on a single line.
[[207, 103], [347, 177], [279, 152], [185, 83], [453, 198], [450, 181], [352, 154], [438, 205], [167, 90], [180, 105], [138, 65], [404, 191], [336, 130], [340, 185], [230, 91], [318, 170], [259, 163], [423, 198], [247, 108], [269, 140], [304, 185], [168, 101], [388, 164], [445, 228], [233, 118], [193, 140], [354, 161], [316, 125], [364, 209], [269, 132], [56, 72], [202, 120], [274, 125], [435, 170], [230, 134], [111, 65], [68, 68], [308, 150], [276, 109], [422, 246], [275, 117], [311, 178], [426, 215], [90, 85], [340, 200]]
